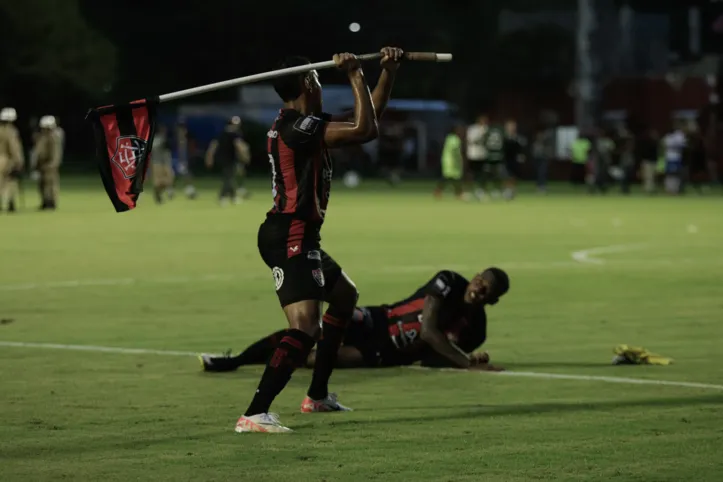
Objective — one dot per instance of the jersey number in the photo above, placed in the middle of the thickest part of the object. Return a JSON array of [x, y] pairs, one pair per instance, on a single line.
[[273, 177]]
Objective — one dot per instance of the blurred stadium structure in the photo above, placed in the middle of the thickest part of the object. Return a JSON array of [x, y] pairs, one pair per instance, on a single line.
[[566, 64]]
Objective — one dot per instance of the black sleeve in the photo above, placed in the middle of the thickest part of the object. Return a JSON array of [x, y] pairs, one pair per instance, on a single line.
[[472, 337], [446, 284], [305, 132]]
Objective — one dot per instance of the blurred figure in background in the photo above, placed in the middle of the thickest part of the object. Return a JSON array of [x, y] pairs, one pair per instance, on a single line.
[[230, 151], [647, 153], [697, 164], [600, 160], [674, 144], [543, 151], [181, 153], [627, 161], [162, 165], [494, 164], [452, 162], [477, 154], [45, 160], [580, 154], [514, 148], [391, 151], [12, 159]]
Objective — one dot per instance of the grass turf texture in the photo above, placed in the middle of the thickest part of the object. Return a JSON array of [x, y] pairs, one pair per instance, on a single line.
[[187, 276]]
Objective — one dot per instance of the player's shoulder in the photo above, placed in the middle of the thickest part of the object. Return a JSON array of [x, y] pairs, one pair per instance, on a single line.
[[298, 128], [447, 282]]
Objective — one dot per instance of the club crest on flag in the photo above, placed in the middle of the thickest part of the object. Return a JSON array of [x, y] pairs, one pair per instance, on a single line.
[[128, 152]]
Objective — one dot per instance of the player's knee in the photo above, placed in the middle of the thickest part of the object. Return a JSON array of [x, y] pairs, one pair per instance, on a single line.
[[304, 317], [345, 298]]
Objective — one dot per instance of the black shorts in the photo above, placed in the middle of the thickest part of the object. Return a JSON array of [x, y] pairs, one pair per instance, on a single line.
[[300, 268], [370, 335]]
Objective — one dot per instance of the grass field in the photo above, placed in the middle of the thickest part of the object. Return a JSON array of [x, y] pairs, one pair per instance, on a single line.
[[586, 274]]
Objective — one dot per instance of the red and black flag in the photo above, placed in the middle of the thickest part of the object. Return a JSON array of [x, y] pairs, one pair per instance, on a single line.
[[123, 140]]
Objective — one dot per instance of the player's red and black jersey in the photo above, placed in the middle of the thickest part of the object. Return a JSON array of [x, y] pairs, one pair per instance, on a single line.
[[397, 327], [301, 171]]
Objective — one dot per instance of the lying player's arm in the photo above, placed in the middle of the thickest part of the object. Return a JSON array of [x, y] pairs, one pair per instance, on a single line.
[[364, 127], [211, 153], [391, 57], [433, 335]]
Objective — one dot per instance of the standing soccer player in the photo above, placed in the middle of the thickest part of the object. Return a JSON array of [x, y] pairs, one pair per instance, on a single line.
[[289, 240]]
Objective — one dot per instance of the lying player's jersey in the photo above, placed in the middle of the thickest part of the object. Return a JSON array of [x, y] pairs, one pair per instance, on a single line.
[[465, 324]]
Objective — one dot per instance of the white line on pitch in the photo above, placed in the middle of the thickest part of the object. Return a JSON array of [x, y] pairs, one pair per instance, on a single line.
[[591, 378], [227, 277], [587, 255], [94, 348], [549, 376]]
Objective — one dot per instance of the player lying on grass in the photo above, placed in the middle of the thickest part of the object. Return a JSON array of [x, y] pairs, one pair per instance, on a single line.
[[440, 325]]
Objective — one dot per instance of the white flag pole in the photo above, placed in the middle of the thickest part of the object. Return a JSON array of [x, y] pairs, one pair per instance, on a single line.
[[418, 56]]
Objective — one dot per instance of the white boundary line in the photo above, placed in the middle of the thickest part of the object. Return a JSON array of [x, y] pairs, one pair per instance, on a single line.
[[548, 376], [586, 256], [97, 349], [79, 283], [591, 378]]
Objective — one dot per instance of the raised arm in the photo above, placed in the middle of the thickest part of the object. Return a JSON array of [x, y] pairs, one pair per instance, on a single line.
[[391, 56], [363, 127]]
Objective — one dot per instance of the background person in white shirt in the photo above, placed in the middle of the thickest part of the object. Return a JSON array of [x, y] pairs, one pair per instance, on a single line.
[[674, 144], [477, 154]]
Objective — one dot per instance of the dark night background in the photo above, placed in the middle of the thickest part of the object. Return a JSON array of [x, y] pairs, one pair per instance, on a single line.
[[63, 56]]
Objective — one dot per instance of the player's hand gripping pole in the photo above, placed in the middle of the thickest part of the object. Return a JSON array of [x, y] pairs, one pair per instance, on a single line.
[[417, 56]]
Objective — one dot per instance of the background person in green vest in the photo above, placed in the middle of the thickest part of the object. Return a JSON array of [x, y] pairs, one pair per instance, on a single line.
[[580, 152], [452, 162]]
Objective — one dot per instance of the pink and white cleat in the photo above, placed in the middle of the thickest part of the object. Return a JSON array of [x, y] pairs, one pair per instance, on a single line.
[[263, 423], [328, 404]]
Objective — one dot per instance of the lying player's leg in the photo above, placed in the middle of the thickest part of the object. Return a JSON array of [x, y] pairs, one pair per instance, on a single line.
[[256, 354], [341, 294], [347, 357], [357, 351]]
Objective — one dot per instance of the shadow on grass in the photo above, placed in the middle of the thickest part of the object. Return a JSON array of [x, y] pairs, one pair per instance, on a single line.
[[414, 415], [463, 412]]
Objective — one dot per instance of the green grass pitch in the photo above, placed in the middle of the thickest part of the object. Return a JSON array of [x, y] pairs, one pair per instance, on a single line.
[[587, 273]]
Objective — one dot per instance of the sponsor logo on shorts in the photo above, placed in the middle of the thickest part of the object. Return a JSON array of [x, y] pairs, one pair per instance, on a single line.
[[314, 255], [318, 276], [278, 277]]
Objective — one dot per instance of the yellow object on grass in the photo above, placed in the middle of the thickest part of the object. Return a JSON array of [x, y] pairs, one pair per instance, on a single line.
[[637, 355]]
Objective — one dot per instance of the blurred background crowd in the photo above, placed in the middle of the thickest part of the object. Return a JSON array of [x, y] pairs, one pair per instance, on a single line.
[[606, 94]]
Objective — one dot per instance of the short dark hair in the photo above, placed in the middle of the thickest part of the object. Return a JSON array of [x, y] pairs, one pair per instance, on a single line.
[[499, 283], [289, 87]]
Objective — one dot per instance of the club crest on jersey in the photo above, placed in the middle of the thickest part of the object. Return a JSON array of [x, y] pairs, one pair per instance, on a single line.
[[278, 274], [318, 276], [307, 125], [129, 151], [314, 255]]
